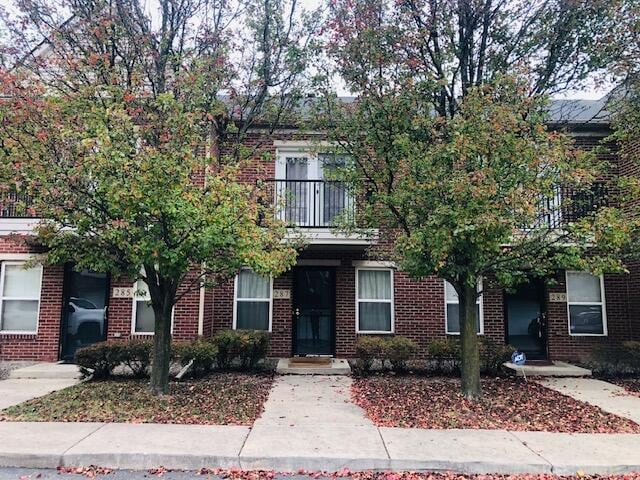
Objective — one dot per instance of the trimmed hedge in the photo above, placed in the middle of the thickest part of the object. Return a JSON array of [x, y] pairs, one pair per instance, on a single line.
[[99, 359], [201, 352], [445, 355], [396, 350], [245, 348], [616, 360]]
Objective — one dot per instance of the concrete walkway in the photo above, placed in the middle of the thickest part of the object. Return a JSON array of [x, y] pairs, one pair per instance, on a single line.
[[310, 423], [609, 397], [35, 381]]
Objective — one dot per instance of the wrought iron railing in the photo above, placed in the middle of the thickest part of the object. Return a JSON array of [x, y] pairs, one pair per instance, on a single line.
[[313, 203], [568, 204], [15, 205]]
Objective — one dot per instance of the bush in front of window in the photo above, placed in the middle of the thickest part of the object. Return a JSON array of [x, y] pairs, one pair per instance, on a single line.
[[368, 349], [99, 360], [444, 355], [245, 348], [398, 350], [616, 360], [203, 353], [136, 354], [493, 355]]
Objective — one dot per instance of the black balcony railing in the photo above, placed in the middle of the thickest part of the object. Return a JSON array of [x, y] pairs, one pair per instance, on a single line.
[[567, 205], [313, 203], [15, 205]]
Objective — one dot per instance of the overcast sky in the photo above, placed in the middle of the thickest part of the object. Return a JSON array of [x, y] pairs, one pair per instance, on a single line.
[[592, 93]]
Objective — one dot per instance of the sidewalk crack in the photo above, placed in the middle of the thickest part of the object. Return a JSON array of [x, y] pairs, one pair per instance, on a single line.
[[61, 462], [384, 444], [524, 444]]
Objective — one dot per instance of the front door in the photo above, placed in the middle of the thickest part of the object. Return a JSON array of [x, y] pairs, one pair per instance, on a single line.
[[84, 311], [313, 311], [526, 319]]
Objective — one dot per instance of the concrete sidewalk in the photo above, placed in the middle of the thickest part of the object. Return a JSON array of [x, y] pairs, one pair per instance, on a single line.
[[609, 397], [190, 447]]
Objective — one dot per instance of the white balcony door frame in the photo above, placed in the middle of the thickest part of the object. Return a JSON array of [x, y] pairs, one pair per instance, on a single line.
[[315, 194]]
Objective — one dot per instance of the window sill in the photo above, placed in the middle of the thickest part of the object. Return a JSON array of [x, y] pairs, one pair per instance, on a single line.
[[457, 334], [588, 334], [373, 332], [17, 334]]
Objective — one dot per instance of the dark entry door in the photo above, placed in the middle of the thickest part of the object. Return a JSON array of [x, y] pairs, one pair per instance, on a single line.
[[84, 311], [526, 319], [313, 311]]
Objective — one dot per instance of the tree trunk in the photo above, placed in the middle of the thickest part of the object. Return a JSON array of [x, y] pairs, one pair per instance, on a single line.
[[161, 350], [470, 378]]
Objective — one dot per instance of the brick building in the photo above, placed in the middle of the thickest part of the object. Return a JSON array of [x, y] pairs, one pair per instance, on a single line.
[[334, 294]]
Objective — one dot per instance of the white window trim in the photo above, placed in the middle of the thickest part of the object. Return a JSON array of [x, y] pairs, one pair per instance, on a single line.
[[602, 303], [391, 301], [2, 298], [134, 310], [236, 300], [479, 301]]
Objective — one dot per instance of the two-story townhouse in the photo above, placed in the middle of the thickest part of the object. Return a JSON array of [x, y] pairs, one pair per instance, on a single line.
[[337, 291]]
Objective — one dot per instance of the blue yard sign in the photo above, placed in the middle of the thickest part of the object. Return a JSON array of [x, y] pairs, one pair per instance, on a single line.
[[518, 358]]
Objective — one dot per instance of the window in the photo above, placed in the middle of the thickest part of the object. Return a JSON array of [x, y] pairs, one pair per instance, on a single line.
[[143, 316], [143, 321], [374, 300], [585, 304], [19, 297], [252, 306], [452, 310]]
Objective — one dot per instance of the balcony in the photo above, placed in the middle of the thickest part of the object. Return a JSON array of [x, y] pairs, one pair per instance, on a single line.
[[16, 205], [568, 205], [313, 203]]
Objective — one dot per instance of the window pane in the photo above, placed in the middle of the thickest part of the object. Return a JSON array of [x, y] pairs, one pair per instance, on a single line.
[[375, 316], [374, 284], [142, 290], [251, 285], [252, 316], [586, 319], [450, 293], [453, 319], [145, 319], [583, 287], [19, 282], [20, 315]]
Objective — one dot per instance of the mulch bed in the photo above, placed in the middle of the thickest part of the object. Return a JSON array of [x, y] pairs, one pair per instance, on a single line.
[[219, 399], [507, 403]]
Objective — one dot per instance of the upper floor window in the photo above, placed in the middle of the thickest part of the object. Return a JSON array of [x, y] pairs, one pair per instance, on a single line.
[[19, 297], [452, 310], [307, 188], [374, 300], [253, 300], [585, 304]]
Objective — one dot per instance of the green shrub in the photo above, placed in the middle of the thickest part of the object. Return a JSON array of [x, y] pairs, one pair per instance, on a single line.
[[493, 355], [228, 344], [136, 355], [99, 359], [615, 360], [444, 354], [202, 353], [398, 350], [368, 349], [253, 347]]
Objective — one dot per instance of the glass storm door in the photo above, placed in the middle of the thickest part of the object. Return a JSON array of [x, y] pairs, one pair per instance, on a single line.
[[313, 311], [525, 315], [84, 313]]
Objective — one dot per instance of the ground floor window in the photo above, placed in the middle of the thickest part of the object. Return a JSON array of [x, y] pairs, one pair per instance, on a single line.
[[253, 300], [452, 310], [585, 304], [144, 320], [374, 300], [19, 297]]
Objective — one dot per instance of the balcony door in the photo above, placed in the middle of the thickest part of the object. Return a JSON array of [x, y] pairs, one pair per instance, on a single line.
[[308, 194]]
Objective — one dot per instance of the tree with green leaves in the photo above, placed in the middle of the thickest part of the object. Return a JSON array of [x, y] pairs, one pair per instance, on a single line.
[[127, 130], [450, 146]]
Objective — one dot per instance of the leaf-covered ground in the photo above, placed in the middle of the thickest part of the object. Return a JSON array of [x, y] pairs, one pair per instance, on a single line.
[[631, 385], [220, 399], [507, 403]]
